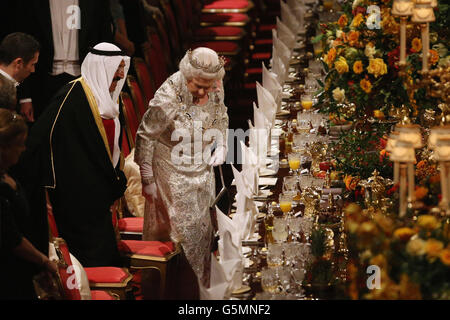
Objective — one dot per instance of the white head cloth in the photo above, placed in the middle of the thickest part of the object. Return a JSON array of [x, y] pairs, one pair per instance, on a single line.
[[98, 72]]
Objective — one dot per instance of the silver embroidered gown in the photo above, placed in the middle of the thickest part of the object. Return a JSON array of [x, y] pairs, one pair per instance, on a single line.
[[187, 189]]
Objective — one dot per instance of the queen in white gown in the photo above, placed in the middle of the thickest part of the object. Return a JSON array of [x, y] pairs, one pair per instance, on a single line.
[[173, 151]]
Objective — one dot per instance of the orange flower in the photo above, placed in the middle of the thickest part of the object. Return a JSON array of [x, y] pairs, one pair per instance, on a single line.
[[421, 192], [445, 257], [358, 67], [351, 182], [357, 20], [404, 234], [416, 45], [433, 248], [330, 57], [343, 20], [365, 85], [422, 164], [353, 37], [436, 178], [434, 57]]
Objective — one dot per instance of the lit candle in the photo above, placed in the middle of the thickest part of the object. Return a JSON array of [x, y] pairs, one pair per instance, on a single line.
[[411, 183], [425, 46], [444, 186], [402, 190], [403, 40]]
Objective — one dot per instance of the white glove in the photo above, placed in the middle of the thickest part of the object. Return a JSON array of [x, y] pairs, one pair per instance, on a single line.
[[218, 156], [149, 191]]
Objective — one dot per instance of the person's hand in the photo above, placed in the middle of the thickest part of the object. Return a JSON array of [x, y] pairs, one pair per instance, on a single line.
[[218, 156], [26, 109], [149, 191]]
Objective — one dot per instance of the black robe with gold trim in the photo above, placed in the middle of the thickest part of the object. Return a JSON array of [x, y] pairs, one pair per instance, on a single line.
[[68, 153]]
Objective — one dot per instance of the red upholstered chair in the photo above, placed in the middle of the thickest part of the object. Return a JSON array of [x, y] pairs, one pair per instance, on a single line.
[[145, 255], [152, 21], [225, 48], [156, 62], [224, 19], [125, 144], [131, 121], [172, 27], [145, 78], [227, 6], [112, 279], [131, 228], [220, 33], [139, 100]]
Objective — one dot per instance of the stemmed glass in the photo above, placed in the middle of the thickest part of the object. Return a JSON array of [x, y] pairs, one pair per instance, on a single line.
[[285, 201], [294, 162], [280, 229], [307, 102]]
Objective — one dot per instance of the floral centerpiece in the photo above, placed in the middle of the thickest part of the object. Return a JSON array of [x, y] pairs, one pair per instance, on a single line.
[[412, 256], [360, 56]]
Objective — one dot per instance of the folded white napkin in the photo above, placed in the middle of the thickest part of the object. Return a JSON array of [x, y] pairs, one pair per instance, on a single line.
[[278, 67], [285, 34], [280, 48], [270, 82], [259, 135], [288, 17], [231, 260], [218, 286], [266, 103], [246, 209], [250, 167], [298, 8]]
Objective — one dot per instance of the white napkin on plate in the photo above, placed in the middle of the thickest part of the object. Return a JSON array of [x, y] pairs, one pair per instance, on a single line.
[[270, 82], [285, 34], [218, 285], [266, 103], [288, 17], [250, 167], [278, 66], [280, 48], [298, 9]]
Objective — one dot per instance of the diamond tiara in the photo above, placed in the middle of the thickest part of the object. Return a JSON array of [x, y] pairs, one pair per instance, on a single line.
[[206, 68]]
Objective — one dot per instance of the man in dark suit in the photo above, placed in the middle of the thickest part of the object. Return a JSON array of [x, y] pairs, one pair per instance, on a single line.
[[19, 54], [65, 29]]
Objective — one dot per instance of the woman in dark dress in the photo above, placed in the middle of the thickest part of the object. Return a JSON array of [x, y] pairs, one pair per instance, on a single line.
[[19, 259]]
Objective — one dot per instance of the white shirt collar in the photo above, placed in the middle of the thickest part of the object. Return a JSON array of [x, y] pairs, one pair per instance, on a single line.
[[7, 76]]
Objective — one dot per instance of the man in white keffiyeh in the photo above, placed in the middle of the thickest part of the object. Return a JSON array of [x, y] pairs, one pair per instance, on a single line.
[[73, 152]]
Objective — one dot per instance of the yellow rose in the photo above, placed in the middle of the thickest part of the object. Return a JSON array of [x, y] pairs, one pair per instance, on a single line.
[[357, 20], [434, 248], [358, 67], [416, 45], [341, 65], [428, 222], [377, 67], [416, 247], [445, 257], [365, 85], [404, 234]]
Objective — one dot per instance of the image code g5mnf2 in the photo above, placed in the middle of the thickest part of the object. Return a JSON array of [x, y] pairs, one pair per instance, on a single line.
[[227, 309]]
